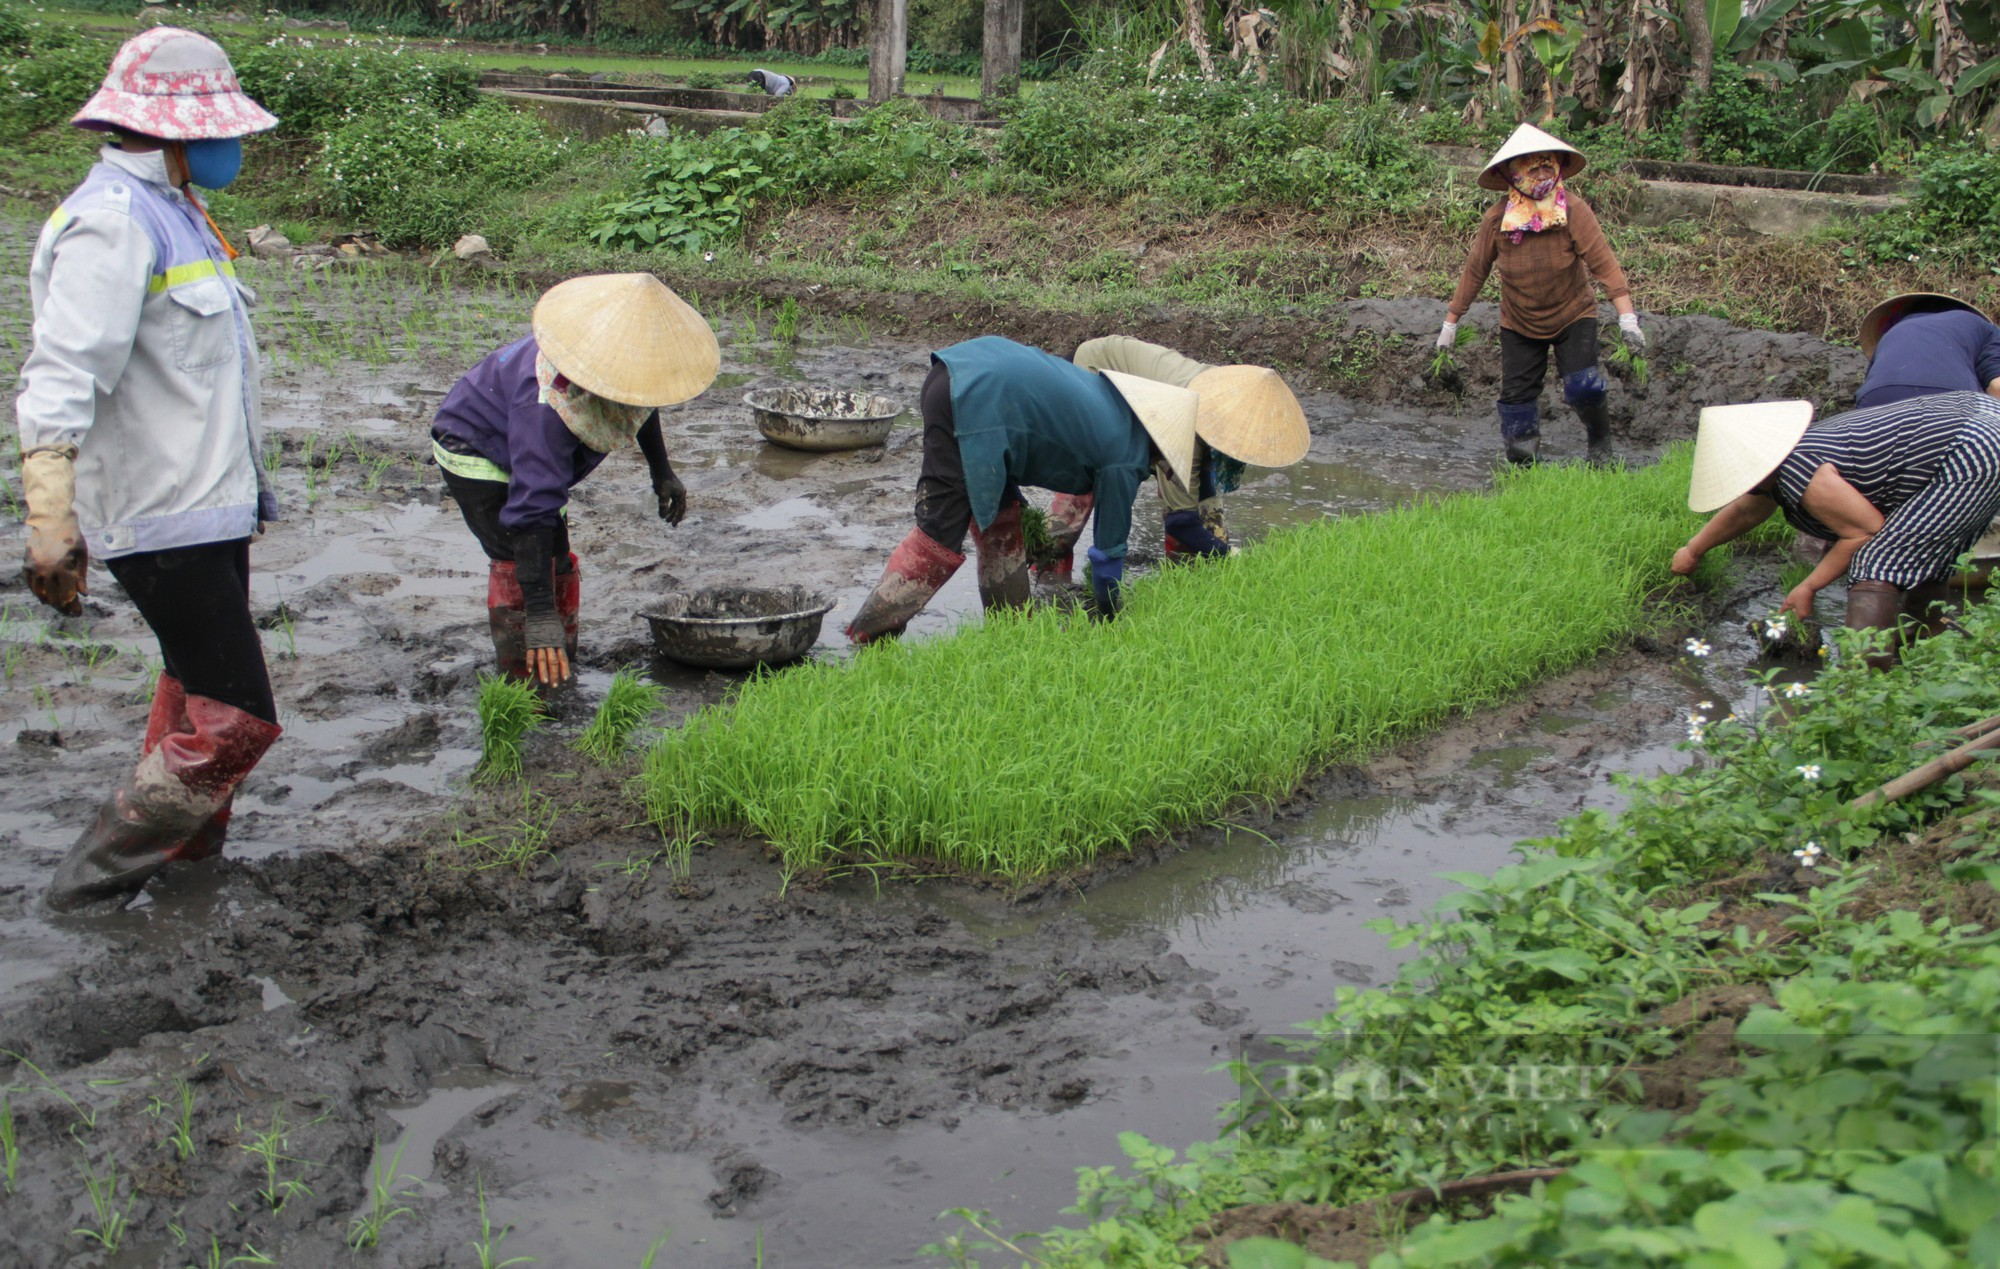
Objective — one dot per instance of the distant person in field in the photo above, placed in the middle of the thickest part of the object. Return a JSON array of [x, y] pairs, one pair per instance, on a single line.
[[1922, 344], [1549, 249], [139, 415], [772, 82], [1248, 418], [1900, 490], [534, 418]]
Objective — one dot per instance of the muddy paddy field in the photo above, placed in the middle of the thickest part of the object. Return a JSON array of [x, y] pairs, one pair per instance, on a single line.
[[730, 1066]]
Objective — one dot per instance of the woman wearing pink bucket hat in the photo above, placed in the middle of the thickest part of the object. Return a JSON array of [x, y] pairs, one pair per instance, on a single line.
[[139, 424]]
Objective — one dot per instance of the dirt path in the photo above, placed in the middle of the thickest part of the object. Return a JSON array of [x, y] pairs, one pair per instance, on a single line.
[[609, 1052]]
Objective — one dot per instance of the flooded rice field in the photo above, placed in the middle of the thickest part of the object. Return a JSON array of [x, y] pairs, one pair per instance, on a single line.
[[599, 1057]]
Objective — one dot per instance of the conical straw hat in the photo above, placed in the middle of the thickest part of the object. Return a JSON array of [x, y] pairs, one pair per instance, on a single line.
[[1738, 445], [1167, 413], [1528, 139], [627, 338], [1248, 413], [1889, 311]]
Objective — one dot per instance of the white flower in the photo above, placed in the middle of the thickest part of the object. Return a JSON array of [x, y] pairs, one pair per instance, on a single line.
[[1809, 856], [1774, 627], [1696, 730], [708, 255], [1698, 648], [1797, 690], [1705, 706], [1810, 771]]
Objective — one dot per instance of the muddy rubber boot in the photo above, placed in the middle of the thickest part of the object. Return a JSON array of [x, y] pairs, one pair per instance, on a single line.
[[1521, 429], [169, 716], [154, 815], [507, 617], [569, 604], [1065, 521], [1003, 561], [1597, 431], [1876, 606], [917, 568]]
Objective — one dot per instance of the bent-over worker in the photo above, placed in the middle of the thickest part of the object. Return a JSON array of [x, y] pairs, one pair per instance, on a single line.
[[1248, 417], [1921, 344], [534, 418], [1900, 490], [1548, 246], [999, 415], [772, 82], [139, 418]]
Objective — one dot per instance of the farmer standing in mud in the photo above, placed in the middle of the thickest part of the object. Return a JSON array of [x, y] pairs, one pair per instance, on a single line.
[[1900, 490], [534, 418], [139, 418], [1248, 417], [999, 415], [1548, 247]]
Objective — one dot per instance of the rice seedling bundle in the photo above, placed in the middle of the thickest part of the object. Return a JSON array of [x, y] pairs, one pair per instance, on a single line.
[[508, 711], [1032, 742], [629, 702]]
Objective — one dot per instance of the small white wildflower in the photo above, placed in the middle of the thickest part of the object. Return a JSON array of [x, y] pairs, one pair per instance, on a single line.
[[1809, 856], [1698, 648], [1810, 771], [708, 255], [1696, 730], [1797, 690], [1774, 628], [1705, 706]]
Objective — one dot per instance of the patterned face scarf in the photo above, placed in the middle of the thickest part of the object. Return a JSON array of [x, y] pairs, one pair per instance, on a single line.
[[1533, 205], [602, 425]]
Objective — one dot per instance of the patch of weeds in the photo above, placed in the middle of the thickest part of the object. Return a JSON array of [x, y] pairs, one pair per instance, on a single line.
[[785, 330], [509, 709], [386, 1188], [518, 845], [629, 702], [249, 1256], [487, 1246]]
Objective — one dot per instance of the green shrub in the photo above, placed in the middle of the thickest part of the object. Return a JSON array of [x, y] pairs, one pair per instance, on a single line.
[[53, 70], [314, 88], [419, 178], [1957, 208], [896, 146], [695, 192]]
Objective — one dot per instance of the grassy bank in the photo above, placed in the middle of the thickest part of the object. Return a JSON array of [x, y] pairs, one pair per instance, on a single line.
[[1034, 744], [1783, 1006]]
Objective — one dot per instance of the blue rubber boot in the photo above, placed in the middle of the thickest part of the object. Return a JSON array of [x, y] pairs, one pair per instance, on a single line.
[[1521, 428], [1585, 391]]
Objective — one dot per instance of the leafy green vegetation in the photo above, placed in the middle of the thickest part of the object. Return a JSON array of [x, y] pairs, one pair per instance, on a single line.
[[1853, 1121], [1320, 645], [627, 704], [508, 710]]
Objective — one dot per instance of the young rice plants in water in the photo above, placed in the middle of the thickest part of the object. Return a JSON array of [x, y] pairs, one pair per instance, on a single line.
[[629, 702], [1032, 742]]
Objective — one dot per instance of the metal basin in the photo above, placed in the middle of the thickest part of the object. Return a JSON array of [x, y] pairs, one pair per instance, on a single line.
[[736, 627], [822, 418]]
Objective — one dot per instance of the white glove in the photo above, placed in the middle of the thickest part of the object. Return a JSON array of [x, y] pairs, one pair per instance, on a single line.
[[1628, 326], [1448, 336]]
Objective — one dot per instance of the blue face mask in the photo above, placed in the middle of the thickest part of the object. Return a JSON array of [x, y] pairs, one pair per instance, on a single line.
[[213, 164]]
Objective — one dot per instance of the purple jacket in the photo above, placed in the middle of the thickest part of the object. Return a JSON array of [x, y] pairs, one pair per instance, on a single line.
[[493, 412]]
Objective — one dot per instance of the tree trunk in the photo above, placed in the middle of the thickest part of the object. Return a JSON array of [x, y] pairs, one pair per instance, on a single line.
[[1701, 51], [1510, 22], [1000, 51], [888, 49]]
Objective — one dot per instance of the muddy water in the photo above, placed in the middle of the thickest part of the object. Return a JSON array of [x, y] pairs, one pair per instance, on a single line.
[[609, 1054]]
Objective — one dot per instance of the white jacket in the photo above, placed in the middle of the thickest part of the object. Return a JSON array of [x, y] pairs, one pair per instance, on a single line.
[[144, 358]]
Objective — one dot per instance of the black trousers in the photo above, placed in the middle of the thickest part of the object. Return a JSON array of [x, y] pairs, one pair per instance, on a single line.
[[480, 501], [944, 506], [1524, 362], [197, 600]]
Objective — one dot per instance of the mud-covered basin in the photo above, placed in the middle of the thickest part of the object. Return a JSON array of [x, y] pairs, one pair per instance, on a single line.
[[736, 627], [822, 418]]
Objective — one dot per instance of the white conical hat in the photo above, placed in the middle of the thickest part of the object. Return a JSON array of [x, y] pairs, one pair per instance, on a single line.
[[1248, 413], [626, 337], [1738, 445], [1528, 139], [1167, 413]]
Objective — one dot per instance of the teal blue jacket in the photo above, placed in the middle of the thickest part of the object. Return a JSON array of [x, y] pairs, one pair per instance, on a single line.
[[1027, 418]]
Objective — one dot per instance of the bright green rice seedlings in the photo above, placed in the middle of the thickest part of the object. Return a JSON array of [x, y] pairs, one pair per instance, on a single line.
[[1628, 357], [385, 1192], [1035, 539], [10, 1148], [268, 1147], [630, 702], [180, 1113], [111, 1216], [786, 329], [1034, 742], [1445, 360], [508, 711], [487, 1247]]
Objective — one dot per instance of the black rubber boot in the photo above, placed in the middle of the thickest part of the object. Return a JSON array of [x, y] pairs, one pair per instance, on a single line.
[[1876, 606], [1597, 430]]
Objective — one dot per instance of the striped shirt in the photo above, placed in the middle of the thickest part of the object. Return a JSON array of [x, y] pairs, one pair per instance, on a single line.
[[1930, 465]]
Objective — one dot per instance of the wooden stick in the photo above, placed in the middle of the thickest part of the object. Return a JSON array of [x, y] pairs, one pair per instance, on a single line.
[[1980, 728], [1933, 771]]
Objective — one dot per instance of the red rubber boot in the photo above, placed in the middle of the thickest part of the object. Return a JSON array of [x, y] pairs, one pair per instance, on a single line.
[[507, 616], [152, 818], [917, 568], [1003, 561], [1066, 518]]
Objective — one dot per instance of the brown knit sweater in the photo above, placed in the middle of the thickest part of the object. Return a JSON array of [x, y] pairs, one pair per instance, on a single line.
[[1545, 281]]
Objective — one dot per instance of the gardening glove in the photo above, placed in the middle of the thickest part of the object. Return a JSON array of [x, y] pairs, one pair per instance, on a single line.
[[58, 563], [1448, 335], [1106, 575], [673, 496], [1628, 326], [548, 657]]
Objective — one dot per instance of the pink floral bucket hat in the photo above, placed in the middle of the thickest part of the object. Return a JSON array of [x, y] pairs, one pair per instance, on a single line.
[[173, 85]]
